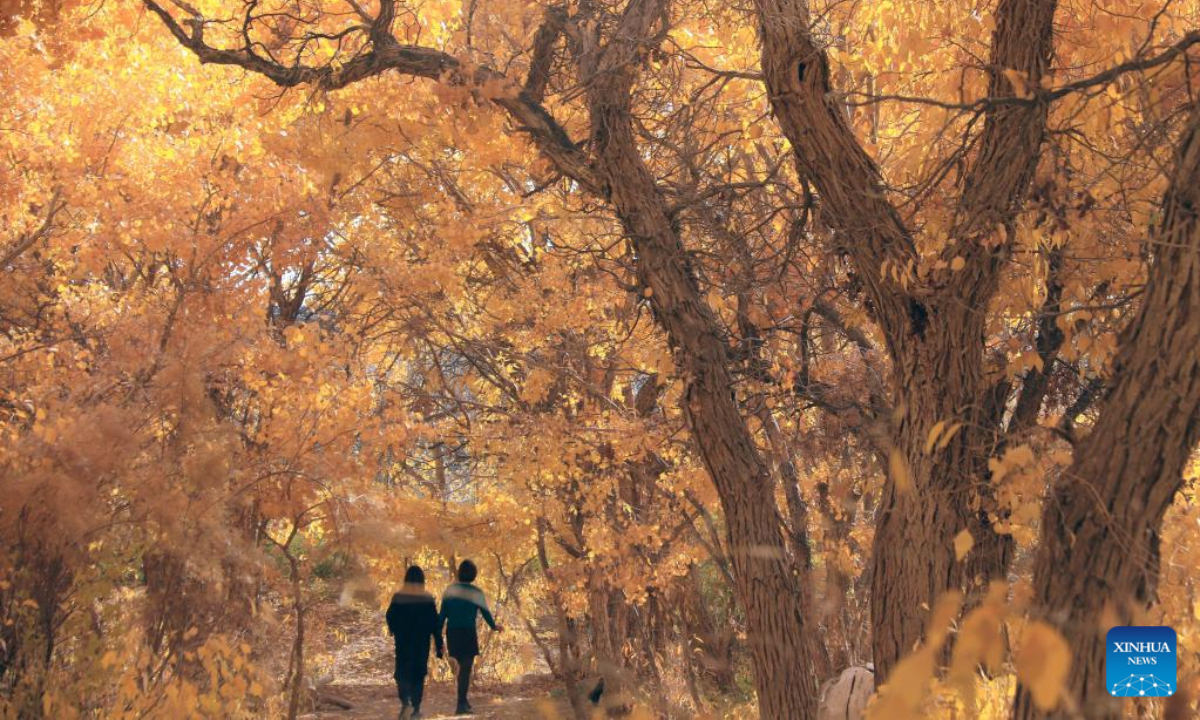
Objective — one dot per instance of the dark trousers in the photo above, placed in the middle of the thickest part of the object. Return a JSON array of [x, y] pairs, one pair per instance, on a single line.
[[465, 665], [410, 679], [463, 646]]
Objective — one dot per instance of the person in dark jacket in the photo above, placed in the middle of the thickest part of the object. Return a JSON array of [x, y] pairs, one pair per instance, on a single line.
[[462, 604], [412, 619]]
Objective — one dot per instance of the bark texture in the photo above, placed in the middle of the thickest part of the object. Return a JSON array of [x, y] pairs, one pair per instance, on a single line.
[[777, 623], [1100, 526], [934, 330]]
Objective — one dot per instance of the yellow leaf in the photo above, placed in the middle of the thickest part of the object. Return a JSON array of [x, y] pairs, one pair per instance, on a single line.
[[957, 264], [1062, 457], [933, 435], [901, 697], [980, 641], [1016, 457], [948, 435], [1042, 663], [963, 542], [908, 684], [945, 610], [1019, 83], [899, 470], [547, 710]]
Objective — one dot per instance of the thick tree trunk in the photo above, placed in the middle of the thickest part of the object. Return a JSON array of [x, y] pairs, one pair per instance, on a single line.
[[600, 622], [933, 327], [767, 588], [945, 491], [782, 646], [1100, 527]]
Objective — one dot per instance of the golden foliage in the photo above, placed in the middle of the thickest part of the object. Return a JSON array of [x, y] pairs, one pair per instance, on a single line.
[[1043, 660]]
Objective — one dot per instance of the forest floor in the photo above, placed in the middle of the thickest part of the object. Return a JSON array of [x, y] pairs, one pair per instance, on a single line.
[[357, 660], [529, 699]]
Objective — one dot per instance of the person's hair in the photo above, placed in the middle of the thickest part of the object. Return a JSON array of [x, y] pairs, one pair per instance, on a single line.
[[467, 571], [414, 576]]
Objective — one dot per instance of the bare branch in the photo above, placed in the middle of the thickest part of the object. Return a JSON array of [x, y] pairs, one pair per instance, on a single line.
[[1036, 95], [27, 240], [998, 180], [388, 54], [827, 153], [543, 52]]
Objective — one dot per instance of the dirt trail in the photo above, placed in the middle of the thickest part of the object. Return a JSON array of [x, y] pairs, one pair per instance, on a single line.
[[528, 700], [362, 662]]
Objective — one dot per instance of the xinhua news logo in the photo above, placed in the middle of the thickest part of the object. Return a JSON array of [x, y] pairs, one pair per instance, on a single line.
[[1141, 661]]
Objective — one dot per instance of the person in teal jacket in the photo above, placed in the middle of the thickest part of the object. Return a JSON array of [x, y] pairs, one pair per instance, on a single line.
[[462, 603]]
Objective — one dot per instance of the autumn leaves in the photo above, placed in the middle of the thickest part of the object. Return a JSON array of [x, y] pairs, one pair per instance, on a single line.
[[630, 290]]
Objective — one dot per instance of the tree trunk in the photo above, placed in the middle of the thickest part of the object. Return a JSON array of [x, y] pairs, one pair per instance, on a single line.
[[772, 599], [781, 644], [839, 521], [797, 535], [945, 491], [934, 326], [570, 661], [296, 667], [1100, 527]]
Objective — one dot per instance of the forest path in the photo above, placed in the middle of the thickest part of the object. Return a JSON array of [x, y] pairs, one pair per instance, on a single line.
[[530, 699], [360, 661]]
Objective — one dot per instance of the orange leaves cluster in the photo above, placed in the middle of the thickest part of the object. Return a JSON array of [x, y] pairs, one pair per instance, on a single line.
[[369, 319], [1040, 660], [180, 365]]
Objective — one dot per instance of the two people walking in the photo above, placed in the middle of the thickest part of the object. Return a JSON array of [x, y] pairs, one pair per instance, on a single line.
[[415, 623]]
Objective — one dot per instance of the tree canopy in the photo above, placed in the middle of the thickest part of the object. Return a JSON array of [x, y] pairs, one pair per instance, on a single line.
[[739, 344]]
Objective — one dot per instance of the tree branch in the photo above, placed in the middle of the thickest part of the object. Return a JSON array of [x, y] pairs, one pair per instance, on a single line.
[[997, 182], [27, 240], [387, 54], [1036, 95], [796, 70], [543, 52]]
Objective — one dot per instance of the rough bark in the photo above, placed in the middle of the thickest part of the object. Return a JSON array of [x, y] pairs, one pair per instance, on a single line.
[[777, 622], [934, 330], [797, 535], [1100, 527], [939, 379]]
